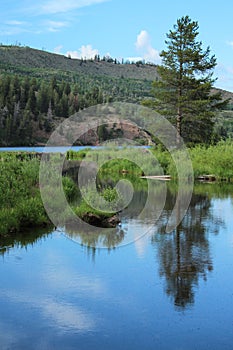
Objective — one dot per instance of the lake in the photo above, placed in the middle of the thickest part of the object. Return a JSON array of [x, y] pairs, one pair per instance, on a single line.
[[162, 291], [41, 149]]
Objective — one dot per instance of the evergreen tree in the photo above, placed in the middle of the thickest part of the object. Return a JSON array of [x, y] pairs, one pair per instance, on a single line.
[[184, 93], [5, 89], [102, 132], [25, 92], [43, 98], [64, 106], [67, 89], [32, 103], [16, 89], [53, 83], [25, 128], [8, 130]]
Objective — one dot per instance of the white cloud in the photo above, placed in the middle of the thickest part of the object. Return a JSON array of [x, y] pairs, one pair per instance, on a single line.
[[134, 58], [14, 27], [143, 45], [13, 31], [62, 6], [58, 49], [55, 26], [14, 23], [64, 315], [68, 315], [143, 40], [152, 55], [84, 52]]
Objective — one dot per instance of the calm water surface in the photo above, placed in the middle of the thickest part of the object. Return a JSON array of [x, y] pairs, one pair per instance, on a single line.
[[164, 291], [41, 149]]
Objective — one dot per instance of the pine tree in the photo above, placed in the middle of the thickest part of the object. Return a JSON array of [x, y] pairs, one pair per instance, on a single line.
[[67, 89], [43, 99], [25, 92], [5, 89], [32, 103], [184, 92], [16, 89]]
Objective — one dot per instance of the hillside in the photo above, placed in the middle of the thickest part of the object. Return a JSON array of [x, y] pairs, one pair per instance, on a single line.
[[39, 89], [25, 59]]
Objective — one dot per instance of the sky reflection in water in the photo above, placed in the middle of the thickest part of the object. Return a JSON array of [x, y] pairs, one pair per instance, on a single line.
[[166, 291]]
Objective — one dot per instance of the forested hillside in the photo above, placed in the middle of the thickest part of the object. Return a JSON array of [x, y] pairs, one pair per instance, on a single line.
[[39, 89]]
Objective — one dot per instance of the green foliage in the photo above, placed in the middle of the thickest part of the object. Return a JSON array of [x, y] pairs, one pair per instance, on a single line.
[[184, 93], [127, 161], [31, 108], [70, 189], [21, 205], [223, 128], [74, 155], [28, 105], [97, 198], [102, 132], [92, 206], [213, 159], [30, 212], [110, 194], [216, 160]]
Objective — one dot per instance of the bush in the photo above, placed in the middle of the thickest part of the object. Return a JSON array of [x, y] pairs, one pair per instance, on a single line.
[[70, 188], [21, 204]]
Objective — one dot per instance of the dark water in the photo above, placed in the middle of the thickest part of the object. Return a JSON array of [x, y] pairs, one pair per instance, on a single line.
[[163, 291]]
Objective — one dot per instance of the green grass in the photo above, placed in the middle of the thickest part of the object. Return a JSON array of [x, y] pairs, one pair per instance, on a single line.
[[101, 201], [214, 160], [114, 160], [21, 204]]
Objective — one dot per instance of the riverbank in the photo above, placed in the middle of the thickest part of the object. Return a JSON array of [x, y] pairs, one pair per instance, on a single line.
[[214, 162], [21, 206]]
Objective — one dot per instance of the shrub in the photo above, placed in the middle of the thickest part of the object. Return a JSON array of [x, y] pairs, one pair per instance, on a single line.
[[70, 188]]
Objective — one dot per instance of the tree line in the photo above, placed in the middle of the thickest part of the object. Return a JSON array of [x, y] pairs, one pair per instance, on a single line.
[[30, 104], [30, 108]]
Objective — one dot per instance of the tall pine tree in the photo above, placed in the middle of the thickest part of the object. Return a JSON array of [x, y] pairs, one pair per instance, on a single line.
[[184, 93]]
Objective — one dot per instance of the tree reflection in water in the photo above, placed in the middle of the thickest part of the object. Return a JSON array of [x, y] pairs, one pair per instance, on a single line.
[[24, 239], [184, 255], [109, 238]]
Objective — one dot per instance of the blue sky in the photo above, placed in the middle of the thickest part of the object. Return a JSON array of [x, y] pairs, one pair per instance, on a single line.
[[122, 29]]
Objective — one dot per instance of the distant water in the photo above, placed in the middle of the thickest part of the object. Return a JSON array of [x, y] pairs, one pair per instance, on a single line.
[[60, 149]]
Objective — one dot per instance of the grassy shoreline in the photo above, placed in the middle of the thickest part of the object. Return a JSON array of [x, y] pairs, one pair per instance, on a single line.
[[216, 160], [21, 205]]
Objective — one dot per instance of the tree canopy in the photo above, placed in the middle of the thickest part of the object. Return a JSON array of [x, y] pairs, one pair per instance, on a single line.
[[184, 92]]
